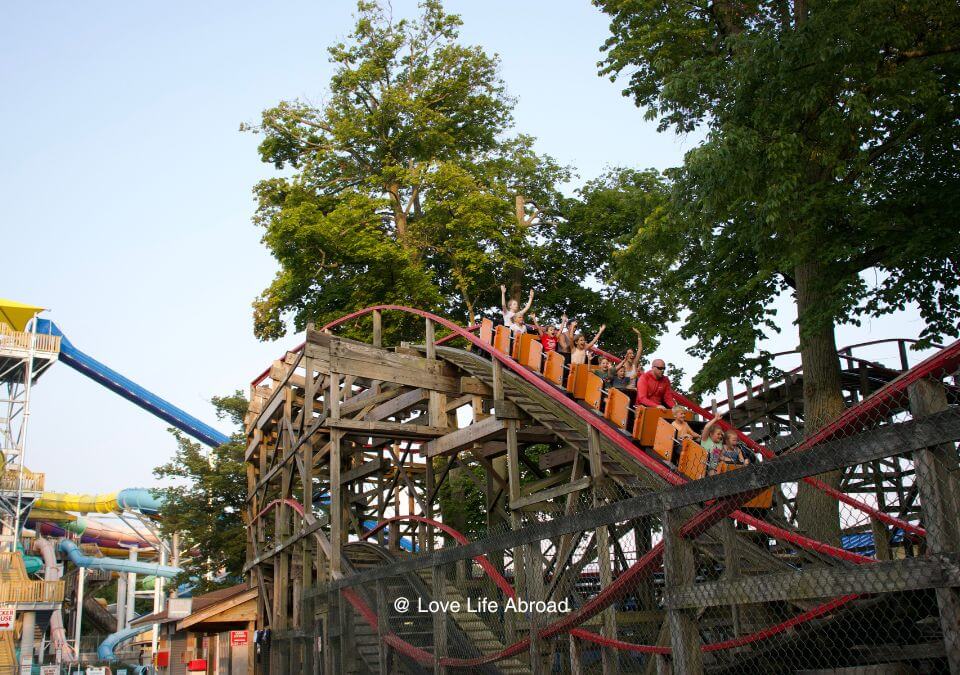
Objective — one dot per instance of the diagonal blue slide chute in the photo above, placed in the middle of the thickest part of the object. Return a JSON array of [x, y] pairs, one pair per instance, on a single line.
[[130, 390]]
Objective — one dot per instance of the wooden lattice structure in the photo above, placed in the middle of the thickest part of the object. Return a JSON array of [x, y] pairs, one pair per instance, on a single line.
[[354, 449]]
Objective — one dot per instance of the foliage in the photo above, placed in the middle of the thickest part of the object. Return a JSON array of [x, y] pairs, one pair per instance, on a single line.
[[600, 223], [205, 504], [392, 199], [461, 501], [405, 187], [829, 167]]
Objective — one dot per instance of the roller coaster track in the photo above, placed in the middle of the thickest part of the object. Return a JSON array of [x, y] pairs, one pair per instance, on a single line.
[[656, 475]]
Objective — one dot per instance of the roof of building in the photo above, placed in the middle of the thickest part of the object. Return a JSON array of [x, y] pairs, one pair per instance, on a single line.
[[200, 603]]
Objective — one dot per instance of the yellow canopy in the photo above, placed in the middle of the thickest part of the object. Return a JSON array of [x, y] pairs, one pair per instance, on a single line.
[[16, 314]]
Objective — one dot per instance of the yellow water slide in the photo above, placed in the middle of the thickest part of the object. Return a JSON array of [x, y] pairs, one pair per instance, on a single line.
[[67, 501]]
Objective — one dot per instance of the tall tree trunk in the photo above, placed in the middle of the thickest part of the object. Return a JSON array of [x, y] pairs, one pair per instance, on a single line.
[[818, 514], [399, 214]]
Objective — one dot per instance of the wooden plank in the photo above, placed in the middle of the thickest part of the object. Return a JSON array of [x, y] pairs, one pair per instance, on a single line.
[[490, 449], [265, 416], [396, 405], [475, 386], [368, 397], [459, 402], [551, 493], [679, 568], [556, 458], [466, 436], [936, 470], [908, 574], [387, 372], [361, 471], [342, 350], [386, 429], [507, 410]]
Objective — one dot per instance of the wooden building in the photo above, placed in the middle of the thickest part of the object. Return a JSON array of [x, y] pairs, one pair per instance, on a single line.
[[214, 636]]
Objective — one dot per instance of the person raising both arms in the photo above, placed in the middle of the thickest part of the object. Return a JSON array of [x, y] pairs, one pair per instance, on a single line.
[[653, 387], [548, 335], [513, 306], [581, 348]]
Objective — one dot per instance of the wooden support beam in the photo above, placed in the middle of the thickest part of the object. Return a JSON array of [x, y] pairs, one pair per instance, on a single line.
[[396, 430], [370, 397], [336, 490], [555, 458], [357, 472], [941, 570], [552, 493], [680, 569], [396, 405], [377, 328], [366, 361], [475, 386], [936, 475], [466, 436]]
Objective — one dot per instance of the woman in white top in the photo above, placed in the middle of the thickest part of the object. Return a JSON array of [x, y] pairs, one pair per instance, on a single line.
[[581, 348], [512, 307], [632, 359]]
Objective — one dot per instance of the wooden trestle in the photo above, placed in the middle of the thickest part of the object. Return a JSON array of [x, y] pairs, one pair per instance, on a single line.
[[344, 435]]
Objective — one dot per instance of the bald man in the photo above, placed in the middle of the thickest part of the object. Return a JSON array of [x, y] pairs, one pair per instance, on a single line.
[[653, 387]]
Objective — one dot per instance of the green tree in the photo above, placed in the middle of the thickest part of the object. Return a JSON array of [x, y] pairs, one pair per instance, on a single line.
[[831, 151], [405, 188], [381, 173], [599, 224], [206, 502]]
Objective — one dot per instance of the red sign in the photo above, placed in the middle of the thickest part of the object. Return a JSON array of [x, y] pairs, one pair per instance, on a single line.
[[197, 666], [239, 638]]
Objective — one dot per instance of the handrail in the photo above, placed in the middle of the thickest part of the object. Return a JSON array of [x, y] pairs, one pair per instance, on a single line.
[[17, 339], [842, 353]]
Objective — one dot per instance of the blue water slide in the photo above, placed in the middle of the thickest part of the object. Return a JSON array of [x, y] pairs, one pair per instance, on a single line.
[[72, 551], [105, 650], [138, 499], [130, 390]]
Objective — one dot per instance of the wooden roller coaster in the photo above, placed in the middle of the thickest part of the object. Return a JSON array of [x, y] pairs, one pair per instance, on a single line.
[[466, 474]]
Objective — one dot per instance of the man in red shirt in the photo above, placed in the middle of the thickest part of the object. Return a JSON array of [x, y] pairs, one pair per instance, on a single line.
[[653, 387]]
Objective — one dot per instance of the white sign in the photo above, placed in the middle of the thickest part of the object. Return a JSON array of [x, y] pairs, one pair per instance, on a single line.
[[8, 617], [97, 671], [49, 670], [178, 608]]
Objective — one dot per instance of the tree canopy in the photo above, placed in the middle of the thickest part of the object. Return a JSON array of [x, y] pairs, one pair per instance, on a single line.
[[829, 170], [205, 504], [832, 141], [406, 187]]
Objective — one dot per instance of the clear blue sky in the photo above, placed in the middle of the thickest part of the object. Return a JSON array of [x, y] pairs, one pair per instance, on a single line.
[[126, 187]]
